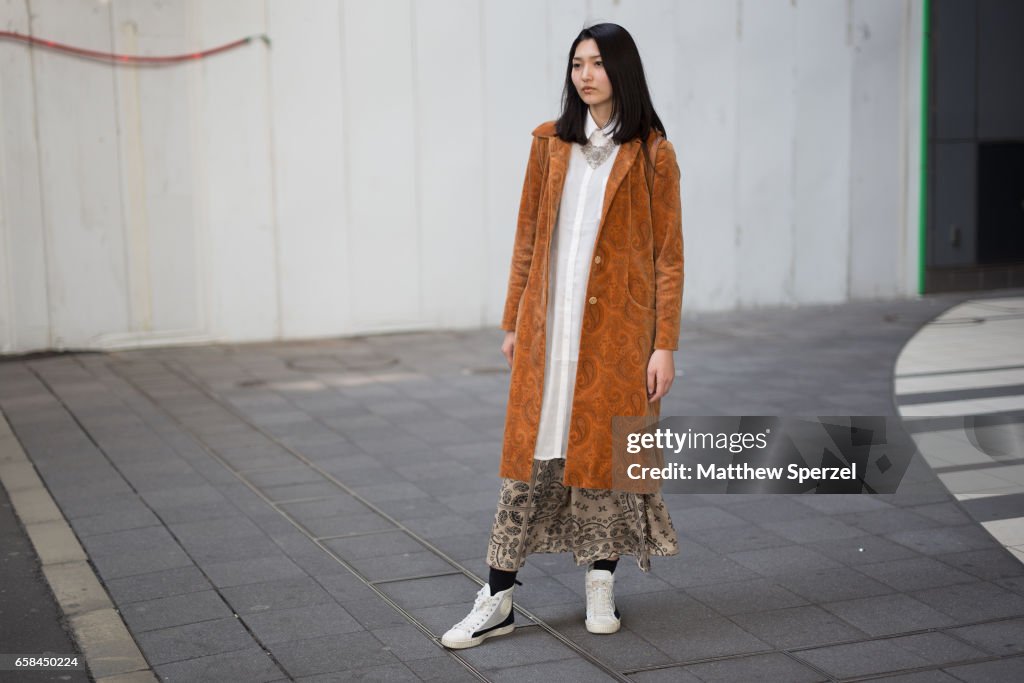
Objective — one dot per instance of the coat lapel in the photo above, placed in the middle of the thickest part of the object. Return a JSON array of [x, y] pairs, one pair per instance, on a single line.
[[558, 167], [620, 167]]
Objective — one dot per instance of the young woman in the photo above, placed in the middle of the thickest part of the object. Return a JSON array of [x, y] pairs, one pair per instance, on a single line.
[[591, 320]]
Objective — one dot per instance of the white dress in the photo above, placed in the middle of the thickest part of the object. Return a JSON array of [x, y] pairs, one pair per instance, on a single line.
[[572, 249]]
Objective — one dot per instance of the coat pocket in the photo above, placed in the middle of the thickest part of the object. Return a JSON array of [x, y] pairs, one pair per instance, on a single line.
[[635, 299]]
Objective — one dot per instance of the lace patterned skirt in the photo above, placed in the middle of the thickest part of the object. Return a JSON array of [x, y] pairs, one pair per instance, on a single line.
[[544, 516]]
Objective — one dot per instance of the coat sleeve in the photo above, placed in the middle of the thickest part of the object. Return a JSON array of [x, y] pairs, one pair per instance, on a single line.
[[666, 216], [526, 232]]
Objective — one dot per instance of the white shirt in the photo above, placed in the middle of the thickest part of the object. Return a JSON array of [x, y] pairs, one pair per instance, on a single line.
[[572, 249]]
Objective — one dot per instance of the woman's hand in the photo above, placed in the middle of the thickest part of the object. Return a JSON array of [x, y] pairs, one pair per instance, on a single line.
[[661, 371], [508, 346]]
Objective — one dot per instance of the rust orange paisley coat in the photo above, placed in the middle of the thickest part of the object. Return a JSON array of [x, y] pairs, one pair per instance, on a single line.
[[633, 304]]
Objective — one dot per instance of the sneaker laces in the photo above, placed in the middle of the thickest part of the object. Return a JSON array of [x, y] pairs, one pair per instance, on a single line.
[[476, 615]]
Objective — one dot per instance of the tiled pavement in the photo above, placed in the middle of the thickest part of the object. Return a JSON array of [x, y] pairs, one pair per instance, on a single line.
[[317, 511]]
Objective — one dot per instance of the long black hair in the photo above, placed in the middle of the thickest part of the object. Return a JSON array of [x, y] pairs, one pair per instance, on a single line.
[[632, 108]]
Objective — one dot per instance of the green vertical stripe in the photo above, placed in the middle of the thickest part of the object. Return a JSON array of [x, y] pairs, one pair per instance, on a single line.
[[922, 236]]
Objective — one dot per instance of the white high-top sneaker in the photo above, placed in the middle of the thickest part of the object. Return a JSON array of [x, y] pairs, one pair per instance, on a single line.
[[492, 615], [602, 616]]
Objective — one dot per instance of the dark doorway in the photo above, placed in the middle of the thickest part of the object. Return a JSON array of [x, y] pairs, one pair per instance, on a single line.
[[975, 186]]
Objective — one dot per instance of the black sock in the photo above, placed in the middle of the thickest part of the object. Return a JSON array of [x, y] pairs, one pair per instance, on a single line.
[[606, 564], [500, 580]]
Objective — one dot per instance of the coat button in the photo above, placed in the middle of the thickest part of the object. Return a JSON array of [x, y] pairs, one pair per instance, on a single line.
[[593, 299], [597, 259]]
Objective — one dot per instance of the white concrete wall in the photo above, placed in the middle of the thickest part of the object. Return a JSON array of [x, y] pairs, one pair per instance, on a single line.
[[363, 174]]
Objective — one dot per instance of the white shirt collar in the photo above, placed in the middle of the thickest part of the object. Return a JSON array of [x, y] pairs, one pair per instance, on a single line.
[[591, 125]]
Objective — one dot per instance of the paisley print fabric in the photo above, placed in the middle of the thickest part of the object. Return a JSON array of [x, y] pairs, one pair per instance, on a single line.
[[544, 516], [633, 295]]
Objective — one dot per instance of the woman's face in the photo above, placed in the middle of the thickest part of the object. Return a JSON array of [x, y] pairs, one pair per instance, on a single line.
[[589, 76]]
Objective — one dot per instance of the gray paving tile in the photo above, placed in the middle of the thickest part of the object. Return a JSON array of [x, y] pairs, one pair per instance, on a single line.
[[88, 506], [667, 675], [795, 627], [333, 653], [738, 597], [920, 493], [114, 521], [1010, 669], [319, 564], [144, 540], [342, 464], [393, 542], [975, 601], [389, 491], [429, 592], [990, 564], [888, 614], [575, 670], [476, 501], [522, 645], [773, 667], [408, 643], [200, 512], [250, 665], [384, 673], [689, 569], [782, 560], [929, 676], [659, 609], [830, 585], [698, 637], [316, 489], [892, 520], [733, 539], [175, 610], [448, 486], [346, 587], [998, 637], [194, 640], [916, 573], [471, 548], [626, 650], [950, 513], [159, 584], [390, 567], [216, 529], [140, 562], [166, 499], [231, 548], [375, 613], [938, 648], [816, 528], [777, 508], [331, 506], [862, 659], [706, 517], [258, 570], [862, 550], [276, 595], [843, 504], [440, 526], [345, 524], [945, 540], [443, 669], [309, 621]]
